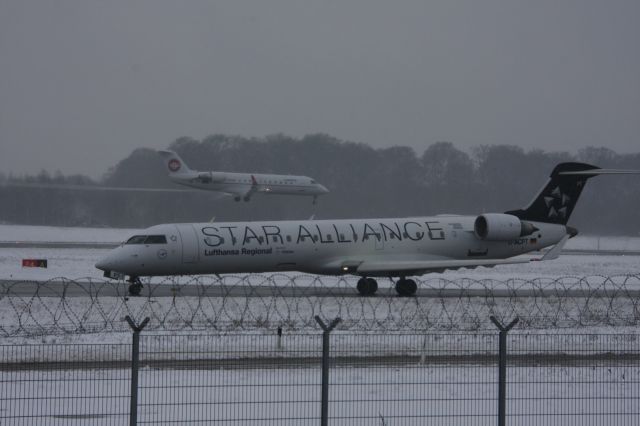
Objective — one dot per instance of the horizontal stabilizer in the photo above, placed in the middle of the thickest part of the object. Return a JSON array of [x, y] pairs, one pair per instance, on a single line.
[[596, 172]]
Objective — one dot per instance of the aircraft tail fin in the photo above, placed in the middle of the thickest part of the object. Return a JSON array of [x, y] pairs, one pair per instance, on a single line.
[[175, 164], [557, 199]]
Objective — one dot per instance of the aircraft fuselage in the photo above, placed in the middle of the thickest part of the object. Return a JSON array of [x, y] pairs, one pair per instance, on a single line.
[[315, 246]]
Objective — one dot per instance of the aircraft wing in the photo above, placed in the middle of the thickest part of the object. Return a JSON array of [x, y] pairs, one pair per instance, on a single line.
[[378, 267]]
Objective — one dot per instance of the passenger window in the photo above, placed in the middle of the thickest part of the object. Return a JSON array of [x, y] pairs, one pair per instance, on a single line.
[[137, 239], [288, 238], [156, 239]]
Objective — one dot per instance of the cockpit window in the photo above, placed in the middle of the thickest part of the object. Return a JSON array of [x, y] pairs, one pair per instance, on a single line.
[[313, 181], [147, 239], [156, 239], [136, 239]]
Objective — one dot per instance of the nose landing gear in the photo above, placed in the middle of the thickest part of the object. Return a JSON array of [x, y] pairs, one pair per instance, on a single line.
[[135, 286]]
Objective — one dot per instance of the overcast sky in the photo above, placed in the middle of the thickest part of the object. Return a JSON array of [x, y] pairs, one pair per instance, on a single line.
[[83, 83]]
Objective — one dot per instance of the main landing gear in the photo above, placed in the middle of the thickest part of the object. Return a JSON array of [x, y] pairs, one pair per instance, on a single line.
[[367, 286], [404, 287], [135, 286]]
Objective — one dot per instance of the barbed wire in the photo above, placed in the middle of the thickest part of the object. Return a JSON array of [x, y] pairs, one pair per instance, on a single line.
[[257, 301]]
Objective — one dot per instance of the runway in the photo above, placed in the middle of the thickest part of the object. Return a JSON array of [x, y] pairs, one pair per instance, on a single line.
[[53, 288]]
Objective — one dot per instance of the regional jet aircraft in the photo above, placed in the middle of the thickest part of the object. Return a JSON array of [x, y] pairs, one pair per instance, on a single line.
[[368, 248], [240, 185]]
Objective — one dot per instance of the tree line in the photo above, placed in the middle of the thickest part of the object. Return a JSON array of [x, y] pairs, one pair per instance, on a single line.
[[364, 182]]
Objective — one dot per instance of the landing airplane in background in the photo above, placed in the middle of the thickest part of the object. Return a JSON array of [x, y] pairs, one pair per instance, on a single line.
[[240, 185], [368, 248]]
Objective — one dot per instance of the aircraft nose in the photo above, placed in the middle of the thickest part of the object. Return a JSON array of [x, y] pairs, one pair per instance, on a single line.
[[102, 264], [106, 263], [323, 189]]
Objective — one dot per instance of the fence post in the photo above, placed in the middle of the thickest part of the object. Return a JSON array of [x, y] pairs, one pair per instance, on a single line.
[[135, 358], [502, 368], [326, 330]]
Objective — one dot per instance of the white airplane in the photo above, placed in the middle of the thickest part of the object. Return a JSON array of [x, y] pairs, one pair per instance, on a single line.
[[240, 185], [368, 248]]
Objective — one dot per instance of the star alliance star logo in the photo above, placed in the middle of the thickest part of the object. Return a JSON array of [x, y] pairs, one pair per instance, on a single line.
[[557, 203]]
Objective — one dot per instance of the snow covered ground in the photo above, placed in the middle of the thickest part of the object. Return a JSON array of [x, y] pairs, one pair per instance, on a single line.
[[38, 313], [79, 263], [584, 393], [415, 395], [76, 263], [239, 379], [10, 233]]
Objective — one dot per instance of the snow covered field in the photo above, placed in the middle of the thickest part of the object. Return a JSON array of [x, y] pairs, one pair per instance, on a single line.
[[79, 263], [410, 395], [102, 314], [248, 379], [63, 234], [76, 263]]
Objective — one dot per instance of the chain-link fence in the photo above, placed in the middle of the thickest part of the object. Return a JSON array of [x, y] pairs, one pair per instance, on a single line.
[[65, 384], [366, 378], [263, 302]]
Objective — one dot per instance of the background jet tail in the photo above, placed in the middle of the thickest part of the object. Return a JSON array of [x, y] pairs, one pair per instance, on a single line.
[[555, 203], [175, 164]]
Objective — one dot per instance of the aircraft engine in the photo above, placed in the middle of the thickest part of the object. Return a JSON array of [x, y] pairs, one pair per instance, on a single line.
[[501, 227], [208, 177]]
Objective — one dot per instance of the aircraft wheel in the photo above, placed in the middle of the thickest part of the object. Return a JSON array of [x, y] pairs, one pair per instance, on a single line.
[[135, 288], [413, 287], [367, 286], [237, 198], [373, 286], [246, 198], [405, 287]]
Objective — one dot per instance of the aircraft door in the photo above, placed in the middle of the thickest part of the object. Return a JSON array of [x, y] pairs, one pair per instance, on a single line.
[[190, 247]]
